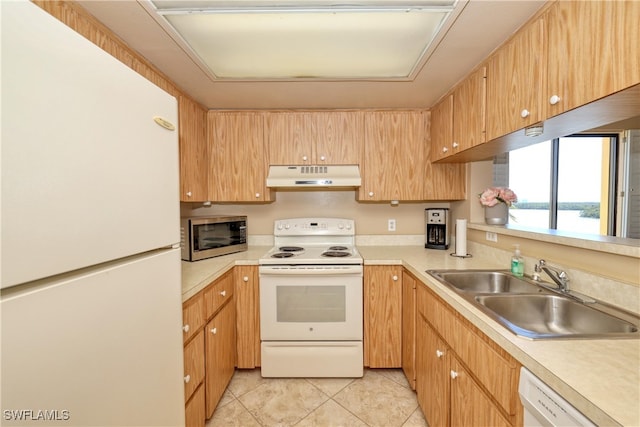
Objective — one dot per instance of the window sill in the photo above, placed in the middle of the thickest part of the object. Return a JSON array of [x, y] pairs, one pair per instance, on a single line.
[[607, 244]]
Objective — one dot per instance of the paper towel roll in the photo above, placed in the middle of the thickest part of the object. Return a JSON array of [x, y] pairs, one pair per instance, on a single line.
[[461, 237]]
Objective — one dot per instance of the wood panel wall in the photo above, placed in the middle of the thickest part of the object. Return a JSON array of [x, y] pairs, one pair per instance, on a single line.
[[77, 18]]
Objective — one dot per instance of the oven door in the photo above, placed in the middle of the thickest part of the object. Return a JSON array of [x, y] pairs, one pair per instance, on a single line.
[[311, 303]]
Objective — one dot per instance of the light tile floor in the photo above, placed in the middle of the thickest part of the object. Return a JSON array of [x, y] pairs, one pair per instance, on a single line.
[[382, 397]]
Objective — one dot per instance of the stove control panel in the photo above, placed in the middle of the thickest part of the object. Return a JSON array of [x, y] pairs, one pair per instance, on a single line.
[[314, 226]]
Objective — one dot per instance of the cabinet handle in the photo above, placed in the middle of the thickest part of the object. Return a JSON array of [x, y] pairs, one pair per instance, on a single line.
[[214, 331], [395, 278], [455, 145], [370, 193], [185, 328], [187, 379], [439, 353], [453, 374], [524, 113], [554, 99], [323, 158], [445, 149], [245, 278], [188, 193], [304, 158], [257, 195], [223, 293]]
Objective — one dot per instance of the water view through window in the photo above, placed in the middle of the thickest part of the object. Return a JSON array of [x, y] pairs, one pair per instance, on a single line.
[[562, 184]]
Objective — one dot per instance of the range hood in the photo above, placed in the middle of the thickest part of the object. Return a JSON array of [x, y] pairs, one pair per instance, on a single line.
[[319, 176]]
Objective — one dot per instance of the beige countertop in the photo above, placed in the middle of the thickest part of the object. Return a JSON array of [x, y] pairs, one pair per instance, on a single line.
[[601, 378]]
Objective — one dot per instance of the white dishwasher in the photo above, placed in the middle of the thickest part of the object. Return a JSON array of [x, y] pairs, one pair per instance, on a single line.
[[544, 407]]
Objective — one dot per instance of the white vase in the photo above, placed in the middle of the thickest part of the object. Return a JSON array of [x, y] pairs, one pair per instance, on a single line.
[[496, 215]]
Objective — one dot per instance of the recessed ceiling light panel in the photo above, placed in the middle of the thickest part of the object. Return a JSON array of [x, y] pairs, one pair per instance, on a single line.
[[315, 42]]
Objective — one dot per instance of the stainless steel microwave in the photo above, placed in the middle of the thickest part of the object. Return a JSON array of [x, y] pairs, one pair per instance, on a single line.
[[206, 237]]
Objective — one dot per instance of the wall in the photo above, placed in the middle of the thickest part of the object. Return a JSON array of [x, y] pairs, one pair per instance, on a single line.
[[371, 219]]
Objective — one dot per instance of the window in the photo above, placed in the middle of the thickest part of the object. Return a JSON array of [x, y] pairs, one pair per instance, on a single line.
[[566, 184]]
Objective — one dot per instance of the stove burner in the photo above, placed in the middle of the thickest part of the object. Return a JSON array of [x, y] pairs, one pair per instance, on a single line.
[[291, 248], [336, 254], [282, 255], [338, 248]]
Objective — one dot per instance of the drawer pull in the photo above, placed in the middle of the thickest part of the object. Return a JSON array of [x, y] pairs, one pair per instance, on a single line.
[[185, 328], [245, 278], [214, 331], [454, 375], [187, 379], [439, 353], [223, 293]]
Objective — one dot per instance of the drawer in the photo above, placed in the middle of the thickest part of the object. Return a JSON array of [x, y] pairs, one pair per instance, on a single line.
[[193, 316], [193, 364], [195, 410], [496, 370], [218, 293], [436, 312]]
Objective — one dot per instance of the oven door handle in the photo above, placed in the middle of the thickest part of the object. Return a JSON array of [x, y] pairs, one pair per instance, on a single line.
[[309, 270]]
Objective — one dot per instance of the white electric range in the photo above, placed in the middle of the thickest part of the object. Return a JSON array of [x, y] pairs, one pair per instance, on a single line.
[[311, 300]]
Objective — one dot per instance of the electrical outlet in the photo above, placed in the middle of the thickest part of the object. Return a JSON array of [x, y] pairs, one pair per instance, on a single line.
[[492, 237], [392, 225]]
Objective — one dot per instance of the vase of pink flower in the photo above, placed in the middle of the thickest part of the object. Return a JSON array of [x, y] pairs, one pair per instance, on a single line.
[[496, 202]]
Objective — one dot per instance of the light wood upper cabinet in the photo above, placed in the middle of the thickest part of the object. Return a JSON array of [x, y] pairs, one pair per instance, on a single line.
[[194, 151], [239, 163], [289, 137], [383, 316], [314, 138], [338, 136], [593, 51], [516, 82], [442, 129], [393, 161], [443, 181], [469, 101]]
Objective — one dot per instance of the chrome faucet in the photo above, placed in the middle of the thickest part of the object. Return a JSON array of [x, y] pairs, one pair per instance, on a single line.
[[558, 276]]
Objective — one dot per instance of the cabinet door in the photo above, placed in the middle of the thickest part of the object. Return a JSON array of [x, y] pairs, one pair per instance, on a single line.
[[239, 160], [443, 181], [432, 381], [220, 347], [383, 316], [442, 129], [338, 137], [470, 406], [194, 152], [393, 156], [409, 328], [193, 365], [247, 296], [290, 138], [469, 111], [593, 51], [515, 82]]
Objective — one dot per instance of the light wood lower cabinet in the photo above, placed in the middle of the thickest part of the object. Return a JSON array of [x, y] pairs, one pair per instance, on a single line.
[[247, 296], [195, 409], [383, 316], [209, 327], [409, 327], [462, 377], [220, 343]]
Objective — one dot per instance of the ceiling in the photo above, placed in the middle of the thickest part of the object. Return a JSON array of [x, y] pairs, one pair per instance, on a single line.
[[473, 31]]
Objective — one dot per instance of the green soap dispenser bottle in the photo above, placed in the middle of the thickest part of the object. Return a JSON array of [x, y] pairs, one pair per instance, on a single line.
[[517, 262]]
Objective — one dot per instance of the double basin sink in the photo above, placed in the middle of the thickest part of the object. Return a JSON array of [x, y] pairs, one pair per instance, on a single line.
[[535, 310]]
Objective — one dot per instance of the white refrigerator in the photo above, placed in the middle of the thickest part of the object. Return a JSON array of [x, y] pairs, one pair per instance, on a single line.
[[90, 298]]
